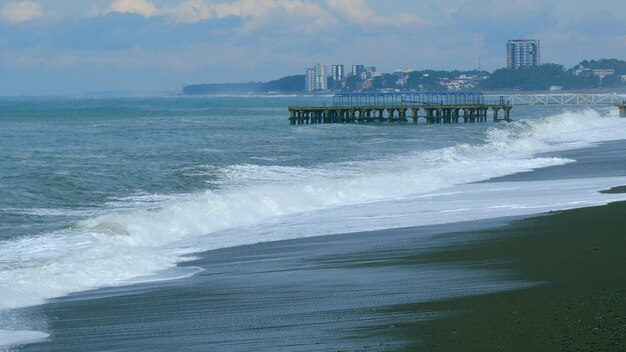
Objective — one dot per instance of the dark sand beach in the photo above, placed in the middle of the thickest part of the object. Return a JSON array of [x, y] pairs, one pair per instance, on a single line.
[[579, 303]]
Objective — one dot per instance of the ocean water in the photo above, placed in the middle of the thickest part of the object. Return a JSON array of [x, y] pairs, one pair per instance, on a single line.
[[102, 195]]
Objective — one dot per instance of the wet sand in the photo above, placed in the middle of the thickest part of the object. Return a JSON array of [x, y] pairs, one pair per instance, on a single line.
[[329, 293], [577, 257]]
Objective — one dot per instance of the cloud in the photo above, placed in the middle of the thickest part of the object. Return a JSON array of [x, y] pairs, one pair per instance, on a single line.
[[293, 16], [18, 12], [139, 7], [358, 12], [192, 11], [188, 11], [296, 16]]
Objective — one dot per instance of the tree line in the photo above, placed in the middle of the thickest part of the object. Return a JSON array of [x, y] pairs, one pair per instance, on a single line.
[[542, 77]]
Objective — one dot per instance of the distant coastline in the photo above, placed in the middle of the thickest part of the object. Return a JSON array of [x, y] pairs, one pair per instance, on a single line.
[[588, 76], [620, 91], [243, 94]]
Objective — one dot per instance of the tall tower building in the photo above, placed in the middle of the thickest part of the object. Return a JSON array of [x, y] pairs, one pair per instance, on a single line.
[[357, 70], [309, 80], [521, 53], [316, 79], [337, 73], [321, 77]]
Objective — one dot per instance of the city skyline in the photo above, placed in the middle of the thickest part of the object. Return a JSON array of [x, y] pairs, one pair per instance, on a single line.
[[63, 47]]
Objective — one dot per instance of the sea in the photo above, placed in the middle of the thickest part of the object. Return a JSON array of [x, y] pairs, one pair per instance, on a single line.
[[212, 224]]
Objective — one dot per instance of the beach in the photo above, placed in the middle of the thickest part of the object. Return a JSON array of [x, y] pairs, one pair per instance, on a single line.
[[478, 237], [578, 304], [561, 288]]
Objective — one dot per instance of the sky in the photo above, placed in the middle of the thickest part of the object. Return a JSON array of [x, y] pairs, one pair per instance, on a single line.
[[69, 47]]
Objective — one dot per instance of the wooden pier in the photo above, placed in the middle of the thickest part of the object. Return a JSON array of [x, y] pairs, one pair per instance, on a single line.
[[622, 109], [432, 108]]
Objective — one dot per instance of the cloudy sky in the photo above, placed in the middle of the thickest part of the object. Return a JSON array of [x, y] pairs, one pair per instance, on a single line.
[[61, 47]]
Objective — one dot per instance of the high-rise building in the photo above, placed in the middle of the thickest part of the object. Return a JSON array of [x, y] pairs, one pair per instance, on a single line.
[[316, 78], [521, 53], [337, 73], [321, 77], [357, 70], [309, 80]]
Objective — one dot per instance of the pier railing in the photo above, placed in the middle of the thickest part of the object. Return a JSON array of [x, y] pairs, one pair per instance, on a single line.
[[570, 99], [565, 99]]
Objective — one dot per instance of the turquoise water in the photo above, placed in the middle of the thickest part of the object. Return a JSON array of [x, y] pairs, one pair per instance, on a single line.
[[100, 193]]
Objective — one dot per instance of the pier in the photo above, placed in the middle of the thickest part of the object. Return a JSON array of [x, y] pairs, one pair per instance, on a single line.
[[570, 99], [565, 99], [431, 108]]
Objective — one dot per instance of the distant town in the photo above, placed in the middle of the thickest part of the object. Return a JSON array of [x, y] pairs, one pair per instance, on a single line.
[[523, 72]]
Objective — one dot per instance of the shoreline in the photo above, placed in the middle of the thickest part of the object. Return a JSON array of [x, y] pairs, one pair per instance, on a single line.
[[116, 94], [386, 290], [538, 283]]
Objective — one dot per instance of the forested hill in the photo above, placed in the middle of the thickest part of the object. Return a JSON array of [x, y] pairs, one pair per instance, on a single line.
[[223, 88], [285, 85], [289, 84], [541, 77]]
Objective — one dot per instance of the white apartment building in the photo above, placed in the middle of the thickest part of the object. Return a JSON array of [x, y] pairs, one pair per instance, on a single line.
[[316, 78], [521, 53]]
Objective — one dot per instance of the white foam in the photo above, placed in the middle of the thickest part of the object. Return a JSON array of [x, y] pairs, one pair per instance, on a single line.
[[466, 202], [260, 203], [568, 130], [10, 338]]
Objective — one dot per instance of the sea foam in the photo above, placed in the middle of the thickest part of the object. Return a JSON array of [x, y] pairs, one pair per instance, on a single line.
[[10, 338]]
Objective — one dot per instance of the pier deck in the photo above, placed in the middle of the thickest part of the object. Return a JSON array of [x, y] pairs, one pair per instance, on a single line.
[[438, 107]]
